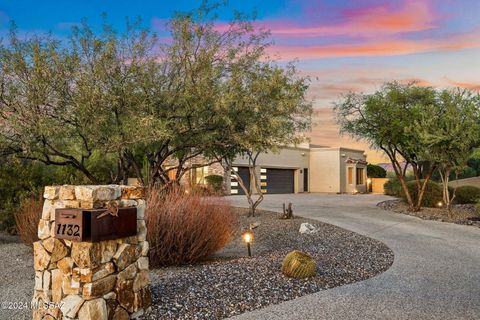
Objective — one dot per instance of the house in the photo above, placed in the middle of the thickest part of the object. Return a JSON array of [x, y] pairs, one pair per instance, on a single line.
[[305, 168]]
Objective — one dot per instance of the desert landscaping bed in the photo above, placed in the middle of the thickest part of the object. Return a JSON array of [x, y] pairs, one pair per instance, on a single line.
[[466, 214], [231, 283]]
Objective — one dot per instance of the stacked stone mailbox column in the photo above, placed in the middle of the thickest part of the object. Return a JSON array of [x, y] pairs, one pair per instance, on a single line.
[[84, 280]]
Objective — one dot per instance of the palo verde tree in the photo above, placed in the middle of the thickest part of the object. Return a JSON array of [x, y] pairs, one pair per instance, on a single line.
[[266, 109], [387, 120], [451, 131]]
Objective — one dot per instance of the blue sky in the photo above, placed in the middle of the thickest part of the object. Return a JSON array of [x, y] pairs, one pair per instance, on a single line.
[[342, 45]]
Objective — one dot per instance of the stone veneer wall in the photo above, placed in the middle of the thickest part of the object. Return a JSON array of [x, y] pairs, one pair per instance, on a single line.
[[83, 280]]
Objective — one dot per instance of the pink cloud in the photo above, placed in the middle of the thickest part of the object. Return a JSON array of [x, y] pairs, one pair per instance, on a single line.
[[387, 47], [466, 85], [412, 16]]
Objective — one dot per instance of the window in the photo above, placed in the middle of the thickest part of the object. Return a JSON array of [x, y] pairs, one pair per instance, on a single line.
[[360, 176], [197, 175], [350, 175]]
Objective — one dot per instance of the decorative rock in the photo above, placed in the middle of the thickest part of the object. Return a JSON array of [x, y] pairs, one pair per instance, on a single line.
[[125, 255], [84, 193], [99, 287], [144, 247], [38, 280], [140, 213], [103, 271], [120, 314], [109, 296], [70, 305], [57, 278], [143, 299], [132, 192], [106, 193], [66, 265], [86, 254], [125, 294], [124, 203], [48, 207], [51, 192], [141, 230], [307, 228], [41, 258], [141, 280], [58, 250], [108, 250], [93, 309], [67, 192], [91, 204], [69, 285], [46, 283], [43, 229], [128, 273], [142, 263]]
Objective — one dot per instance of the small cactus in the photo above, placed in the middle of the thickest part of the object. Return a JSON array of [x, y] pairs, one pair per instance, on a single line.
[[299, 265]]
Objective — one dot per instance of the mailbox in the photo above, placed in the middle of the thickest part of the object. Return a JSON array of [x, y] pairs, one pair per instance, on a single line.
[[95, 225]]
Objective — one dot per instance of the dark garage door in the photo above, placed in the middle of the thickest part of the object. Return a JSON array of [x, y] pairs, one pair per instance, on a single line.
[[280, 181], [245, 175]]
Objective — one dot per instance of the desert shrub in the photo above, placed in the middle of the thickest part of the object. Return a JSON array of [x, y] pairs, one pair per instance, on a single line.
[[374, 171], [27, 217], [432, 196], [467, 194], [186, 228], [215, 181], [393, 187]]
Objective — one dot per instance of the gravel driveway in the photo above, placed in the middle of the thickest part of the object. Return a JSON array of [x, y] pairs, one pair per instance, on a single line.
[[435, 275]]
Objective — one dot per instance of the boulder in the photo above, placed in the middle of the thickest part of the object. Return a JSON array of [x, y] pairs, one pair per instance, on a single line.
[[307, 228], [99, 288], [51, 192], [93, 309], [41, 258], [70, 305]]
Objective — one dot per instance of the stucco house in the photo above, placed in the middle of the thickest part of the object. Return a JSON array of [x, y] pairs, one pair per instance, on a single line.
[[305, 168]]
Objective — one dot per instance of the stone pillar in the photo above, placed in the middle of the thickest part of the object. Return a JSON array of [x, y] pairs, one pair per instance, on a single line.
[[85, 280]]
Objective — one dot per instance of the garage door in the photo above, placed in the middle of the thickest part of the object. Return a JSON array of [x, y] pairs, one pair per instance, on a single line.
[[245, 175], [280, 180]]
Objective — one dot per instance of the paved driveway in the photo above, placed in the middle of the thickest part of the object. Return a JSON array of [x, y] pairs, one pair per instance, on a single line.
[[435, 275]]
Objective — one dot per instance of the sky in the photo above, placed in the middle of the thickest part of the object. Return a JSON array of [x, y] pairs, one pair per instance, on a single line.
[[348, 45]]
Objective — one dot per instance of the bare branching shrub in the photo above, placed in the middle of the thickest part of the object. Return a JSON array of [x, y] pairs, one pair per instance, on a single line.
[[186, 228], [27, 218]]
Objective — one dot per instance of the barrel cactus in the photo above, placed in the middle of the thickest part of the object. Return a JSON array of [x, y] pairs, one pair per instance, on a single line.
[[298, 265]]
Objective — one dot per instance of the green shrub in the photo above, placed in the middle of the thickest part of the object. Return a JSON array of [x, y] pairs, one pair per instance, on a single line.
[[215, 181], [393, 187], [374, 171], [467, 194], [432, 196]]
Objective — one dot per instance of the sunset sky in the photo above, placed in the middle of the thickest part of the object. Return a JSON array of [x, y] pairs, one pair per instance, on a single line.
[[342, 45]]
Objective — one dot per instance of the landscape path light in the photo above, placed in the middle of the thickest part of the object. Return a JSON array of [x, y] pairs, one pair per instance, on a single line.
[[247, 236]]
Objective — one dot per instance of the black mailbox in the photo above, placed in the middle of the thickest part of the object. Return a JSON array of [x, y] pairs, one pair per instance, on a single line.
[[95, 225]]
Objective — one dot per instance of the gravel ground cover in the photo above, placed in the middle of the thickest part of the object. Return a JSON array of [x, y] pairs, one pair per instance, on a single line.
[[16, 278], [231, 283], [465, 214]]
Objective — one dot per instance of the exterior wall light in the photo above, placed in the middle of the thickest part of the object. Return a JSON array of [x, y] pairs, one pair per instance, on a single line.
[[247, 237], [440, 204]]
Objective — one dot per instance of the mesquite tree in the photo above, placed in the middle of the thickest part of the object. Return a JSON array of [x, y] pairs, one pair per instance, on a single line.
[[451, 130], [388, 120], [266, 110]]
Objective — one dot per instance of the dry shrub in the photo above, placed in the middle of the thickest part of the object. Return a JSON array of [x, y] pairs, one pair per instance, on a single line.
[[27, 217], [186, 228]]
